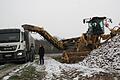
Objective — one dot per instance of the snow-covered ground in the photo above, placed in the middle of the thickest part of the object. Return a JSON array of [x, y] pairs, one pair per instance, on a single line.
[[16, 70], [105, 59], [55, 68]]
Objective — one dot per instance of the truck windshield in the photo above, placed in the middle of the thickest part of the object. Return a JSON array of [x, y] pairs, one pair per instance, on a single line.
[[9, 37]]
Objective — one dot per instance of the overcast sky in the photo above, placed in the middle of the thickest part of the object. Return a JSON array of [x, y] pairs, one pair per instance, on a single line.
[[62, 18]]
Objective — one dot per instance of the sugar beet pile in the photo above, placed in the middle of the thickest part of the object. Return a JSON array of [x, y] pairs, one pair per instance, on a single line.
[[99, 62], [106, 57]]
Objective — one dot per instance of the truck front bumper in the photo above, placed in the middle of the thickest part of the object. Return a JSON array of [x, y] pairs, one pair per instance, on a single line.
[[13, 56]]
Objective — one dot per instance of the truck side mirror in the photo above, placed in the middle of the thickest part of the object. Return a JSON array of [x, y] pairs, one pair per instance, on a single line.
[[84, 21], [110, 20]]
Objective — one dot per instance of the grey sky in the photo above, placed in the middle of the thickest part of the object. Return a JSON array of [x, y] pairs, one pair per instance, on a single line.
[[62, 18]]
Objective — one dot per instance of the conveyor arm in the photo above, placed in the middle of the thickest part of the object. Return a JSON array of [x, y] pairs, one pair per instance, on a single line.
[[45, 34]]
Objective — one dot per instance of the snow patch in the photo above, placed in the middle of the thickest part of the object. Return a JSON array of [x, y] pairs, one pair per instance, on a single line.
[[54, 67], [16, 70]]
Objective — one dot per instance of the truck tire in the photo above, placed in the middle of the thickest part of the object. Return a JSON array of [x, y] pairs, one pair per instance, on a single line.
[[26, 58], [31, 58]]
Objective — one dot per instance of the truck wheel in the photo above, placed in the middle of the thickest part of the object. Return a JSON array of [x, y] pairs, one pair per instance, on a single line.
[[26, 58], [31, 58]]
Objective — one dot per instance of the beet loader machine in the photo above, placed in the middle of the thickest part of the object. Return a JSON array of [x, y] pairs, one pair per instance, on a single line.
[[76, 49]]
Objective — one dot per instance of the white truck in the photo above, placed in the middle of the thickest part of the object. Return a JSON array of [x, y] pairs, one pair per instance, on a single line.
[[15, 45]]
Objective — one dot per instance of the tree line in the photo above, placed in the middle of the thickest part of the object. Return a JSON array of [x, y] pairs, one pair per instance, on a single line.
[[49, 48]]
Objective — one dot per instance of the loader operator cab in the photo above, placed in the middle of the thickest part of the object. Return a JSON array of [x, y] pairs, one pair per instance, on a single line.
[[96, 25]]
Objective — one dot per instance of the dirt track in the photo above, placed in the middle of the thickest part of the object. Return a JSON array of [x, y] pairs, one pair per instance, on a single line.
[[7, 68], [51, 66]]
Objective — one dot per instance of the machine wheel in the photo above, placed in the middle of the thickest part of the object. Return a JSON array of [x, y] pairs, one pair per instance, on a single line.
[[91, 46]]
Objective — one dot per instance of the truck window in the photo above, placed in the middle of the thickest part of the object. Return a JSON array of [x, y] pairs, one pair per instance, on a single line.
[[10, 37]]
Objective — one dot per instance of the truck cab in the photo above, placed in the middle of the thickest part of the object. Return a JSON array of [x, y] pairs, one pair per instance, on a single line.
[[13, 45]]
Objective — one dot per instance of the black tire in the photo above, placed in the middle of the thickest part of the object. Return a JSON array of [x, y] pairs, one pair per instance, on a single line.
[[31, 58], [26, 59]]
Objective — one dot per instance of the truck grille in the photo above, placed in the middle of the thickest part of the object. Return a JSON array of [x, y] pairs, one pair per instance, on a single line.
[[8, 48]]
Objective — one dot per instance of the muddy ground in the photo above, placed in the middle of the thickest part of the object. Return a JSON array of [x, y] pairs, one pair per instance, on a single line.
[[35, 71]]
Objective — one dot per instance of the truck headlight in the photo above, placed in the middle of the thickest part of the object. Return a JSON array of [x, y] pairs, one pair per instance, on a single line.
[[19, 54]]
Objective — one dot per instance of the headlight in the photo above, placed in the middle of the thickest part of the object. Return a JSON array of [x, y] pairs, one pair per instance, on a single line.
[[19, 54]]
